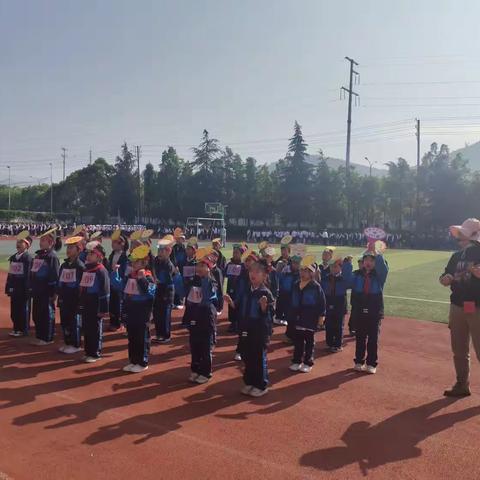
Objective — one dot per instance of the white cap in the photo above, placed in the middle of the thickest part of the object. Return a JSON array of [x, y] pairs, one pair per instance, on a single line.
[[470, 229]]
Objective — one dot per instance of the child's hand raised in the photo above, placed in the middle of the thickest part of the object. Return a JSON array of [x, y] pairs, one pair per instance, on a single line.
[[446, 280], [263, 303]]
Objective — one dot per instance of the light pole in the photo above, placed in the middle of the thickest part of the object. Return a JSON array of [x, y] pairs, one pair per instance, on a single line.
[[371, 164], [9, 187], [51, 188]]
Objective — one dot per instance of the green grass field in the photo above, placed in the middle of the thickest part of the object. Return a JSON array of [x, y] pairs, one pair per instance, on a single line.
[[412, 288]]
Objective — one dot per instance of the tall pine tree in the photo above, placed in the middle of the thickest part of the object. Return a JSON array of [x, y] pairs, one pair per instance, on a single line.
[[295, 181]]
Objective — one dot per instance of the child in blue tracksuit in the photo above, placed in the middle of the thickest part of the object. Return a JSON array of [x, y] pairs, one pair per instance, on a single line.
[[352, 320], [201, 315], [138, 294], [287, 276], [43, 282], [117, 257], [336, 281], [17, 286], [179, 259], [188, 271], [165, 292], [94, 299], [234, 270], [272, 275], [307, 311], [287, 279], [256, 307], [68, 291], [367, 285]]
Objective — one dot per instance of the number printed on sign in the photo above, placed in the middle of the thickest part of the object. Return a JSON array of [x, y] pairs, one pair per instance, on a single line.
[[69, 275], [88, 279], [234, 270], [188, 271], [37, 264], [195, 295], [16, 268], [131, 288]]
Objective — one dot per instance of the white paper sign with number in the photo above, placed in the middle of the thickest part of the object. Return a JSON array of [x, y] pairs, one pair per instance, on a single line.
[[374, 233], [37, 264], [69, 275], [16, 268], [188, 271], [131, 288], [234, 270], [88, 279], [195, 295]]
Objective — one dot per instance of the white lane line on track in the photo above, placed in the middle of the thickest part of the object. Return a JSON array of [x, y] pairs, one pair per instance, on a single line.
[[417, 299]]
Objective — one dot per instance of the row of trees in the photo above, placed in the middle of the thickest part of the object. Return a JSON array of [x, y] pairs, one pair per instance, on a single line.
[[296, 190]]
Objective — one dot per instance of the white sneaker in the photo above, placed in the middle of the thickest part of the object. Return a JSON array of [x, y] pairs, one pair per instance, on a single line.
[[246, 389], [305, 368], [370, 369], [284, 323], [237, 357], [69, 349], [179, 307], [88, 359], [138, 368], [256, 392], [359, 367], [201, 379], [42, 343], [16, 334], [128, 368], [193, 377], [62, 348], [295, 367]]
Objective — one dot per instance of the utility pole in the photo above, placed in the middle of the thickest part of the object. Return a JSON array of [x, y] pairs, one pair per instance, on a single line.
[[51, 188], [64, 154], [90, 156], [9, 187], [351, 94], [417, 193], [139, 184], [371, 164]]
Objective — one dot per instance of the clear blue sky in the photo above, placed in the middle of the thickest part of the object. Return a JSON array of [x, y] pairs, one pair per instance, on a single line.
[[93, 73]]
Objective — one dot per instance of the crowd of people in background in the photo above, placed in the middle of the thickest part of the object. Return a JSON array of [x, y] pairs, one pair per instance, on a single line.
[[337, 237]]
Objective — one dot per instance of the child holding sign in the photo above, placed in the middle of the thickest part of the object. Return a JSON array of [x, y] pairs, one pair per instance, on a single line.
[[138, 290], [335, 282], [43, 282], [178, 258], [307, 311], [367, 286], [17, 285], [68, 289], [164, 295], [117, 257], [94, 299], [255, 308], [234, 271], [201, 314]]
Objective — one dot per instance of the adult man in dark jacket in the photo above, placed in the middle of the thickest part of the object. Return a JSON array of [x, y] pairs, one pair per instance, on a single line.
[[462, 275]]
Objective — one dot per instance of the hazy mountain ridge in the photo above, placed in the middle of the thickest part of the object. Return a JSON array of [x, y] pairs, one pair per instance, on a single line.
[[470, 153], [334, 163]]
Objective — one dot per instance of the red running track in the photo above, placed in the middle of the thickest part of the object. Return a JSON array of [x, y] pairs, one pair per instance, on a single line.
[[62, 419]]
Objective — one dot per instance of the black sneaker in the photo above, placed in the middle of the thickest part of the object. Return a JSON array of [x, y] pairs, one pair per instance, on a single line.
[[458, 391]]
